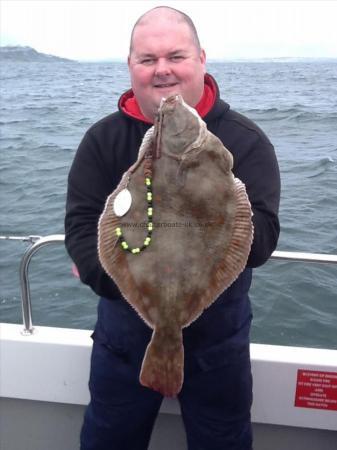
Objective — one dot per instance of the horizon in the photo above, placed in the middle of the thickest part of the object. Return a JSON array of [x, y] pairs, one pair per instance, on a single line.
[[209, 60], [245, 29]]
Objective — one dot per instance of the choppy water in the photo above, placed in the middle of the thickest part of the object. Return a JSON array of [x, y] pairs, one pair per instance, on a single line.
[[45, 110]]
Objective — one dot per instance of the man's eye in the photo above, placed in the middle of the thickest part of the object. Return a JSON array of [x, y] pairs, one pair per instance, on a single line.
[[147, 61], [176, 58]]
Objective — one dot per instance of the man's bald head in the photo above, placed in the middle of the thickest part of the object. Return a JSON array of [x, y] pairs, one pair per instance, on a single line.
[[168, 13], [165, 59]]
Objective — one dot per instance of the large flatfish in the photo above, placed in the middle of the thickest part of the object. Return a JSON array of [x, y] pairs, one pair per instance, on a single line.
[[175, 234]]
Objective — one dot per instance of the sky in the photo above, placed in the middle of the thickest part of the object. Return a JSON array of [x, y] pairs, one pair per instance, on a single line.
[[97, 30]]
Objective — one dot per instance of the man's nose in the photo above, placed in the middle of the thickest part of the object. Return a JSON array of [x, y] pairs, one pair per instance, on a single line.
[[163, 67]]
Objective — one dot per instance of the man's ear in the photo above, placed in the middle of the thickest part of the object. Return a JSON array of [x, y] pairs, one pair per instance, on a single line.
[[203, 58]]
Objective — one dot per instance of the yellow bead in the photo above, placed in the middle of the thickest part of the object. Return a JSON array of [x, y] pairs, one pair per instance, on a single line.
[[118, 232], [149, 196], [150, 226], [149, 211], [125, 245], [147, 241], [135, 250], [148, 181]]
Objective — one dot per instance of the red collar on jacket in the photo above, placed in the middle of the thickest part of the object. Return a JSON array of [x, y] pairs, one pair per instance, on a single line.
[[129, 105]]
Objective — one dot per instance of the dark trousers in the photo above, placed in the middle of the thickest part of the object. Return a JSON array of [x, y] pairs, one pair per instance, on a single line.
[[217, 392]]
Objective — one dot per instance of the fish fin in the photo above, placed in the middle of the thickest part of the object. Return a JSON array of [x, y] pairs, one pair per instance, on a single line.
[[163, 363], [237, 252]]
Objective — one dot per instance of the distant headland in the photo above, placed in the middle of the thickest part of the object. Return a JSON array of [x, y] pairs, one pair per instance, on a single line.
[[27, 54]]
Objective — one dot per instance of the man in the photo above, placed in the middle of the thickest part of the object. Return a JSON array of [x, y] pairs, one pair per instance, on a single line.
[[166, 58]]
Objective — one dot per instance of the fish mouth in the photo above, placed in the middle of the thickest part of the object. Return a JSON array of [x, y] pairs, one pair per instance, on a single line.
[[172, 100]]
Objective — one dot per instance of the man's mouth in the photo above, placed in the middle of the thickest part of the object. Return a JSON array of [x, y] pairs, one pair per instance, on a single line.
[[165, 85]]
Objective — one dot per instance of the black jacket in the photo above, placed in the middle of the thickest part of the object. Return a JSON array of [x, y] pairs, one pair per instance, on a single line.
[[111, 146]]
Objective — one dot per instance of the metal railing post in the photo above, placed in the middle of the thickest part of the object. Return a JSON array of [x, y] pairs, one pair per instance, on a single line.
[[38, 242]]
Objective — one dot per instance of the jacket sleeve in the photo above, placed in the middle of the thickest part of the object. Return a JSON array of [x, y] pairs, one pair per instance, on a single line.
[[259, 170], [89, 184]]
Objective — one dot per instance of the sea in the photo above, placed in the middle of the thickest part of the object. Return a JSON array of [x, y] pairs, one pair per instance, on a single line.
[[45, 109]]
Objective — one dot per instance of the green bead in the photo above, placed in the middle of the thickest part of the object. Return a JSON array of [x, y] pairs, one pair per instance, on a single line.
[[147, 241]]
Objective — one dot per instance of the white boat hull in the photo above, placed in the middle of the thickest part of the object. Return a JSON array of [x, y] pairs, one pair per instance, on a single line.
[[43, 393]]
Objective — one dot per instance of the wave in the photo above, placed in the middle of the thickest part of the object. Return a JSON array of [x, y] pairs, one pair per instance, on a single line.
[[14, 122], [273, 110], [44, 109], [294, 114], [308, 116], [321, 167], [315, 168]]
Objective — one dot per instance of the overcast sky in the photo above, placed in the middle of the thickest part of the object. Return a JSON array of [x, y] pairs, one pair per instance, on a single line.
[[94, 30]]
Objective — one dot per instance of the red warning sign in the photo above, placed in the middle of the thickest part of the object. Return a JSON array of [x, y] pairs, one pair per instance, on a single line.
[[316, 389]]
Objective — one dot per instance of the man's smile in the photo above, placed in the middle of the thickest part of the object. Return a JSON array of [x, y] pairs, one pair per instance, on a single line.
[[165, 85]]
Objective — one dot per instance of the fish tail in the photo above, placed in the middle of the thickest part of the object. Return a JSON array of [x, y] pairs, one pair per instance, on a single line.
[[163, 363]]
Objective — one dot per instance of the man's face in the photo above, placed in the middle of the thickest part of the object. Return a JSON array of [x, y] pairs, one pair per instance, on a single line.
[[165, 60]]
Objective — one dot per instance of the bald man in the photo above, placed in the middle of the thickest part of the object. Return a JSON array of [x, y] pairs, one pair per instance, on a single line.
[[160, 66], [166, 58]]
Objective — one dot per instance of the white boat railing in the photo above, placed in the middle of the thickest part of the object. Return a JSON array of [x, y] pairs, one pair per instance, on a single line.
[[37, 242], [305, 257]]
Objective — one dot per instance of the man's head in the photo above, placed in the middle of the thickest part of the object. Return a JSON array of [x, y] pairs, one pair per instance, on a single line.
[[165, 58]]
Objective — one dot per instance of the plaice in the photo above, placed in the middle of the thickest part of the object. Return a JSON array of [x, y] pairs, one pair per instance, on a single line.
[[200, 239]]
